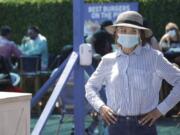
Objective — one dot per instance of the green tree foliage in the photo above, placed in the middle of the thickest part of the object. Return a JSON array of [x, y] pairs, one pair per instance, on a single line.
[[157, 12], [54, 17], [54, 20]]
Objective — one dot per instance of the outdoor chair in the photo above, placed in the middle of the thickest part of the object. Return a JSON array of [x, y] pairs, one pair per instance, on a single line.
[[30, 67]]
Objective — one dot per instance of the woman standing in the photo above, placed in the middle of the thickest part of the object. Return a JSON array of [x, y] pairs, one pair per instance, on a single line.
[[132, 77]]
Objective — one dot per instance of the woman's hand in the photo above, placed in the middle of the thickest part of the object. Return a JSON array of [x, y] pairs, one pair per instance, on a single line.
[[108, 115], [151, 117]]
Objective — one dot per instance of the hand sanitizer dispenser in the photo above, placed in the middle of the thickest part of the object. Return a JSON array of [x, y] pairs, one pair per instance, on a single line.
[[85, 54]]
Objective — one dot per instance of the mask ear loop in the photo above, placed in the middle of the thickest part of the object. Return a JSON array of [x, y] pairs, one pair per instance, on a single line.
[[140, 41]]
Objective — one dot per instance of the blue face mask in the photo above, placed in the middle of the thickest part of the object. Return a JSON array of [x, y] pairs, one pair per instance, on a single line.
[[172, 33], [128, 40]]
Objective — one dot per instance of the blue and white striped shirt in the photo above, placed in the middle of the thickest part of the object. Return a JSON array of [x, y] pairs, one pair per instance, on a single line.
[[133, 82]]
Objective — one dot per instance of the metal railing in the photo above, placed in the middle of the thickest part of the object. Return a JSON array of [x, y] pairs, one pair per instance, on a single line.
[[56, 92], [40, 93]]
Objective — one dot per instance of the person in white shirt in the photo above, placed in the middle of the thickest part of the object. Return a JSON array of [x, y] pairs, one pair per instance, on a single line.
[[132, 76], [36, 44]]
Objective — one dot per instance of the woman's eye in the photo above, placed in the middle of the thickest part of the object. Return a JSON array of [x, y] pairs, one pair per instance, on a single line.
[[134, 31], [123, 31]]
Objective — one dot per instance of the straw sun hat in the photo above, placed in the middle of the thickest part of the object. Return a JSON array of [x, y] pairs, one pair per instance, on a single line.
[[131, 19]]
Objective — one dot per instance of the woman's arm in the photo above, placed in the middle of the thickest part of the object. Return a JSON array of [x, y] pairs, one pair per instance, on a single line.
[[171, 74], [94, 84]]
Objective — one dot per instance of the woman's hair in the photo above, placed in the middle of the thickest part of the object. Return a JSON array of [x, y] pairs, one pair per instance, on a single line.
[[173, 26], [144, 40]]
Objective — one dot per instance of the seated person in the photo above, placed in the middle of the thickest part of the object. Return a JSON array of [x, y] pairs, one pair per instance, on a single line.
[[7, 47], [5, 79], [6, 83], [36, 44]]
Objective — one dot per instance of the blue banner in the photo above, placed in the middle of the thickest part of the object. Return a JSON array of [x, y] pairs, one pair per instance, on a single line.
[[104, 11], [95, 13]]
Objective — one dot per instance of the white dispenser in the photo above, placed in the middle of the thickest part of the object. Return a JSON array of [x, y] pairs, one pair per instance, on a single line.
[[85, 54]]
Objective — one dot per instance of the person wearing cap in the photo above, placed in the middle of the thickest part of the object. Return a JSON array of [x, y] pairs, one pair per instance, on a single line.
[[102, 41], [132, 77]]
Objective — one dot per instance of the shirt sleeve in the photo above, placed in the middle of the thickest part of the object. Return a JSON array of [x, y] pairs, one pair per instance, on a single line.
[[94, 85], [171, 74], [44, 54], [34, 49], [15, 50]]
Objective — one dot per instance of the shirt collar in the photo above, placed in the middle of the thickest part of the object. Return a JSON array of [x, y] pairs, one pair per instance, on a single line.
[[136, 51]]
